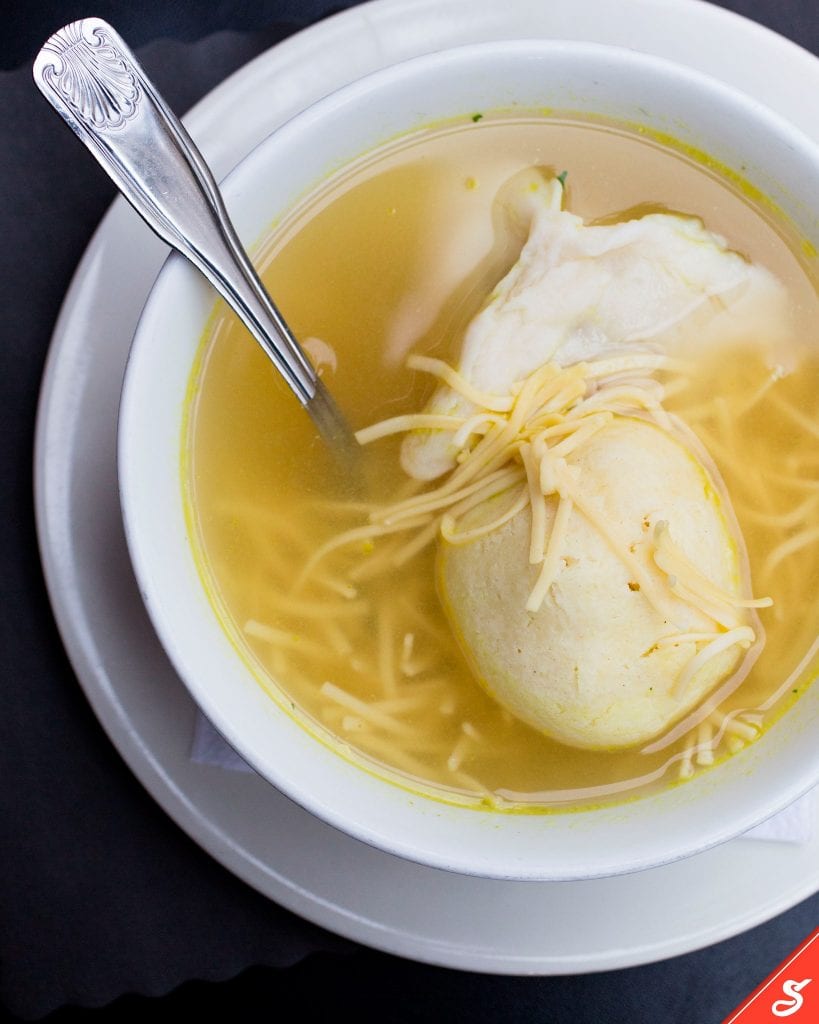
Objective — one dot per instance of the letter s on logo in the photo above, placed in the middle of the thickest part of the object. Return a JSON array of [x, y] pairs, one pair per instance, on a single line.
[[788, 1007]]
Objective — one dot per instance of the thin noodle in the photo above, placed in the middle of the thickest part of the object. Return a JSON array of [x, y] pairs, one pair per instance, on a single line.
[[438, 368]]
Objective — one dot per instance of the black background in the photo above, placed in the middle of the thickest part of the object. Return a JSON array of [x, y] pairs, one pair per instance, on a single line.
[[101, 894]]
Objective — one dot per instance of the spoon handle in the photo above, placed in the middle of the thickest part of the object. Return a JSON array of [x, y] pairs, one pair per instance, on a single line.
[[95, 83]]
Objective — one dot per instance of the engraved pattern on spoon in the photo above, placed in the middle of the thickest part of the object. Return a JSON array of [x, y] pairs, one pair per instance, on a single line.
[[91, 76]]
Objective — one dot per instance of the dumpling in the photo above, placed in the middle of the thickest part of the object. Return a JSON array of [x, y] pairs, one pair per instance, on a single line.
[[587, 668], [581, 292], [588, 561]]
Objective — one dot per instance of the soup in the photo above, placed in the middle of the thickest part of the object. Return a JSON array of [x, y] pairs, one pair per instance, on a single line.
[[339, 613]]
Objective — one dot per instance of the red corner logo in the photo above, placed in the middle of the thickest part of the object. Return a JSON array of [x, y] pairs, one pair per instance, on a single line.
[[790, 993]]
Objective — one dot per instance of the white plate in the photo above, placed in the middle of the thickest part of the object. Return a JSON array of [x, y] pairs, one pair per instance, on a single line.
[[253, 830]]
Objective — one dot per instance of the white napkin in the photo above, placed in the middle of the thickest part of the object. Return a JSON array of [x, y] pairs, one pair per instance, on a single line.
[[796, 824]]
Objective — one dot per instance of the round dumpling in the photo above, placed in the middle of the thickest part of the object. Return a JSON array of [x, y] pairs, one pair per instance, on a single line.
[[586, 668]]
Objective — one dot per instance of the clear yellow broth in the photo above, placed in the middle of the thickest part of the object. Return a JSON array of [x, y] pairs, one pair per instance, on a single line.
[[396, 255]]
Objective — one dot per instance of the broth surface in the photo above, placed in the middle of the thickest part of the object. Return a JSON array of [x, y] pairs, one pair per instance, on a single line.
[[396, 255]]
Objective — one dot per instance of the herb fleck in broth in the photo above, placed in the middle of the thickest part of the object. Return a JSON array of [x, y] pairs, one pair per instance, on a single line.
[[396, 255]]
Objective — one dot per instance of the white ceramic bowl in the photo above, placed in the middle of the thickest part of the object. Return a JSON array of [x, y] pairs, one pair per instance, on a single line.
[[620, 84]]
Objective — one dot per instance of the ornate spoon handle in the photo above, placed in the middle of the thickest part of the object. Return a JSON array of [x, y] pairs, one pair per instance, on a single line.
[[94, 82]]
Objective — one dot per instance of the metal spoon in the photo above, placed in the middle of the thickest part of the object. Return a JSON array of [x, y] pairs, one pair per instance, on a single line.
[[95, 83]]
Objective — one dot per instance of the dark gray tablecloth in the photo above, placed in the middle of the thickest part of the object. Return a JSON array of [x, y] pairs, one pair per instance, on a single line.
[[100, 893]]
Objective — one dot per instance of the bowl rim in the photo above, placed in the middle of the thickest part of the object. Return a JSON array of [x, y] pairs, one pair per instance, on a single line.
[[176, 267]]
